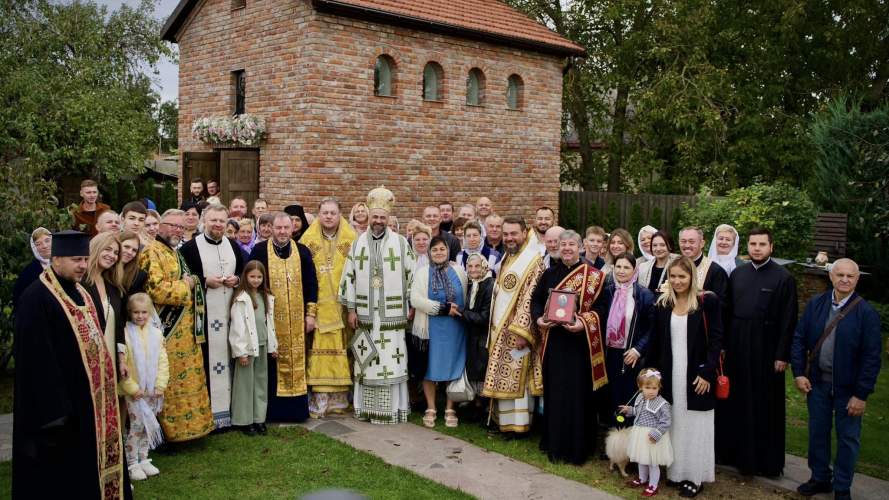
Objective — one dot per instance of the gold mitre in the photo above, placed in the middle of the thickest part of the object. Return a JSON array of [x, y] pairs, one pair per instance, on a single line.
[[381, 198]]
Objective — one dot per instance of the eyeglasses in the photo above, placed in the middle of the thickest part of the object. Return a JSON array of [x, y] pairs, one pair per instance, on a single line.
[[176, 227]]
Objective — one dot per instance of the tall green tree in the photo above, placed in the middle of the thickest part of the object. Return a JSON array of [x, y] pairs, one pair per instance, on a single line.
[[168, 126], [74, 98], [612, 217]]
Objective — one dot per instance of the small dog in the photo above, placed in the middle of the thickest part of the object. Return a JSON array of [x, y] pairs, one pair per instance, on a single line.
[[616, 448]]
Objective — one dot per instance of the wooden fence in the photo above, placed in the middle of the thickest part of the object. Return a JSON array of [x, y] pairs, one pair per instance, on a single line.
[[624, 201]]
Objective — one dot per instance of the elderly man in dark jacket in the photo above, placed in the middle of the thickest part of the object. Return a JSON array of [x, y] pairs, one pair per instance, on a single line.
[[836, 359]]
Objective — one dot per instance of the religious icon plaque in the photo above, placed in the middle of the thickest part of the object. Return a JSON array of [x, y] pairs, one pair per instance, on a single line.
[[561, 306]]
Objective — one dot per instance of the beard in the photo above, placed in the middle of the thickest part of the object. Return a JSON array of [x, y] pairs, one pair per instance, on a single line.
[[512, 251], [378, 228], [556, 256], [174, 240], [539, 231]]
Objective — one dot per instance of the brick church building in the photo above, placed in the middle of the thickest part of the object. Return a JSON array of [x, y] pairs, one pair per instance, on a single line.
[[436, 99]]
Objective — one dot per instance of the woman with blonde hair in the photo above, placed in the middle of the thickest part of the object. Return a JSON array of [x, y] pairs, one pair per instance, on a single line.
[[104, 282], [133, 279], [151, 227], [619, 242], [685, 343], [246, 238], [359, 218]]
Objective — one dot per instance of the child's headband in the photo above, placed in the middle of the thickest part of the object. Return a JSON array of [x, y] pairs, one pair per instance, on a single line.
[[652, 373]]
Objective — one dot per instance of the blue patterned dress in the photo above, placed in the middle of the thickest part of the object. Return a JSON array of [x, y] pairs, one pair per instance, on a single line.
[[447, 337]]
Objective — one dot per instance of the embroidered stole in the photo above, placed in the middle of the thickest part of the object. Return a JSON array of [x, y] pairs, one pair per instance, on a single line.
[[170, 316], [99, 368], [513, 273], [588, 283], [285, 281], [218, 260], [702, 270], [381, 280]]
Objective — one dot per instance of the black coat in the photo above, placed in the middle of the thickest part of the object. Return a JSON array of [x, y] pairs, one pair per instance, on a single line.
[[477, 321], [138, 285], [703, 359], [118, 304]]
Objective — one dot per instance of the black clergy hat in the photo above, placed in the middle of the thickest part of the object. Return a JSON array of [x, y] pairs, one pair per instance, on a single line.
[[295, 210], [70, 244]]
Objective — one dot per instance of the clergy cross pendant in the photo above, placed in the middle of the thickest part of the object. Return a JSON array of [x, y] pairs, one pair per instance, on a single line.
[[377, 282]]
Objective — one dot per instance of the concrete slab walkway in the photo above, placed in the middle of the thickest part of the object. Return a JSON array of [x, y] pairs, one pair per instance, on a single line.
[[453, 462]]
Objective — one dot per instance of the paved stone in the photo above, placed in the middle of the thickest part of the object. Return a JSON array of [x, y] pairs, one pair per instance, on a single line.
[[796, 472], [460, 465], [332, 429], [6, 419]]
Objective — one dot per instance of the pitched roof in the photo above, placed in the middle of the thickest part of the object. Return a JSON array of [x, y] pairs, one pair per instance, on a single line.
[[490, 20]]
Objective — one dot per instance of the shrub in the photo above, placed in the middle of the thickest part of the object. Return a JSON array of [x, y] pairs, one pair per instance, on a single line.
[[636, 219], [656, 218], [113, 197], [676, 222], [572, 213], [612, 217], [593, 217], [146, 189], [784, 210], [129, 193], [169, 198]]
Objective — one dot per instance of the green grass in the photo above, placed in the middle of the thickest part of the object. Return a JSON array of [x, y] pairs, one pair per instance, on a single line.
[[873, 460], [288, 463]]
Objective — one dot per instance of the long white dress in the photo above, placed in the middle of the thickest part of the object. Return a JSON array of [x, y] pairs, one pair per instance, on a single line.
[[692, 432]]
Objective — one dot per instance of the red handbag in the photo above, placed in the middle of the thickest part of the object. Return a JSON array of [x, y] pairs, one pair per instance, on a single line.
[[722, 383]]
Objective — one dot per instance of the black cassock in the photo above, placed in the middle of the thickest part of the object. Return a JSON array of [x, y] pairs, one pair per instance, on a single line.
[[192, 256], [54, 429], [759, 331], [569, 424], [289, 409]]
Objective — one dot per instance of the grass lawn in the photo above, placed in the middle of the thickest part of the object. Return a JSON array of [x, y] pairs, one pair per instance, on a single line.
[[595, 472], [288, 463], [873, 460]]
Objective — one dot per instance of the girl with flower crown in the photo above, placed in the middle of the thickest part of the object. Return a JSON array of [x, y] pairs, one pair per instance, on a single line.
[[649, 442]]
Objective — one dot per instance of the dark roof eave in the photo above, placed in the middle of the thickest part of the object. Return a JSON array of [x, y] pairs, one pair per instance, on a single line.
[[177, 19], [334, 6]]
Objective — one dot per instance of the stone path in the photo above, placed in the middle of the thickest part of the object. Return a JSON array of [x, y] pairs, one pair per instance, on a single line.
[[489, 475]]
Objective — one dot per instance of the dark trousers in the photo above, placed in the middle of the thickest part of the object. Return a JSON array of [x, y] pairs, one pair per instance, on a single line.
[[822, 407]]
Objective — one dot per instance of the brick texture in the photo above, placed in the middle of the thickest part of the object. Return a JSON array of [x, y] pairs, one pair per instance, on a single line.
[[809, 284], [311, 76]]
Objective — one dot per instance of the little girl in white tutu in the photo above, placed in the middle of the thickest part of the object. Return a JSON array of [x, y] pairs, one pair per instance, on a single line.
[[649, 443]]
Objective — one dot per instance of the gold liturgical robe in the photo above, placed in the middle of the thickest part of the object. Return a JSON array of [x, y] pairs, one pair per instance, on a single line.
[[285, 281], [328, 367]]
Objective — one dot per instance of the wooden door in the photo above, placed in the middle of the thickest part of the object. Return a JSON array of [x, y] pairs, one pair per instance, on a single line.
[[239, 175], [202, 165]]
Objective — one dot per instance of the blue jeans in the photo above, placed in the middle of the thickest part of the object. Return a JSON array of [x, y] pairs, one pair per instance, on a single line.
[[822, 406]]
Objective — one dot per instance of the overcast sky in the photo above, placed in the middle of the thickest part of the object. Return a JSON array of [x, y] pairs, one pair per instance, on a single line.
[[168, 84]]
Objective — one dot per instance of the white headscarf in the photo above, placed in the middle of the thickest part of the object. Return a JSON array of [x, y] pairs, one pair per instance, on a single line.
[[726, 261], [646, 229], [37, 256]]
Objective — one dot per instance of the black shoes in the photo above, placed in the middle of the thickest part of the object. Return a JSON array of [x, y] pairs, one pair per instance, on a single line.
[[812, 487], [842, 495], [690, 490], [261, 429], [514, 436], [251, 430]]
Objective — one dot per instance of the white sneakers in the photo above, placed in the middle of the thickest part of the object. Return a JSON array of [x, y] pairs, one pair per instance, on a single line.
[[148, 468], [142, 470], [136, 473]]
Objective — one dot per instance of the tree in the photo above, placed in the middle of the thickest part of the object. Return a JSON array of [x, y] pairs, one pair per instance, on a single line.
[[168, 125], [852, 174], [593, 218], [572, 213], [129, 193], [146, 189], [114, 198], [676, 221], [169, 197], [636, 219], [73, 97], [656, 218], [612, 217]]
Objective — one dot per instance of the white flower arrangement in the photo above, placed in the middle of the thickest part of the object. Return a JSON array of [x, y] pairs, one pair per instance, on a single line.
[[241, 129]]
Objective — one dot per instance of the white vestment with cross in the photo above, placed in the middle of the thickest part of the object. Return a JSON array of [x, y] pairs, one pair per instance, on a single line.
[[218, 260], [376, 285]]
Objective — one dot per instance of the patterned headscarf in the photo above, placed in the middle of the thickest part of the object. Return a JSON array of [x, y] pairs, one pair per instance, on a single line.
[[440, 279], [616, 335], [475, 284]]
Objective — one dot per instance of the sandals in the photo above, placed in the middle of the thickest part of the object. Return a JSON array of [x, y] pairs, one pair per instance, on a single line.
[[450, 418], [690, 490], [429, 421]]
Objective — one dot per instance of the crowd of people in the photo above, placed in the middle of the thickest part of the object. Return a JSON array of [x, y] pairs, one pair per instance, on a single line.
[[140, 328]]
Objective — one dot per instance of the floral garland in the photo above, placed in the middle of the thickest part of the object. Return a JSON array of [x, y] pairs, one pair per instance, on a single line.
[[242, 129]]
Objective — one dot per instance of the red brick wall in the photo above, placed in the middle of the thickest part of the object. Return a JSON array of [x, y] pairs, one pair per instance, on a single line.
[[809, 284], [311, 76]]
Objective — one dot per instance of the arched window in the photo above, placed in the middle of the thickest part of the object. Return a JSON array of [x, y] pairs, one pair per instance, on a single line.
[[475, 87], [514, 92], [383, 76], [432, 74]]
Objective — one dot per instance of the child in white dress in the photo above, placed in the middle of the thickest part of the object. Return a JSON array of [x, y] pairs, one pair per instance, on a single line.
[[649, 443]]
